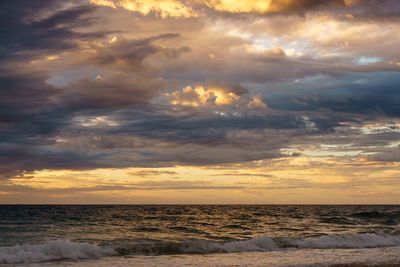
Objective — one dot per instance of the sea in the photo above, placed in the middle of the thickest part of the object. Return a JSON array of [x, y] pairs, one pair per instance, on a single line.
[[199, 235]]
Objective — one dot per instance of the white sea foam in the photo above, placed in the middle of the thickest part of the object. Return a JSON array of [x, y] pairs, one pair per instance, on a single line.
[[321, 242], [53, 250], [67, 250], [347, 241]]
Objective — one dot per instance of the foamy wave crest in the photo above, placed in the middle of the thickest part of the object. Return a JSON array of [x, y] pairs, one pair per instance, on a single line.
[[53, 250], [67, 250], [346, 241], [258, 244]]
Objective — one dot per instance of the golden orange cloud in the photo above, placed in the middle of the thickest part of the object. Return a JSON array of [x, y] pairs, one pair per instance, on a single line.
[[163, 8], [239, 6], [256, 102], [267, 6], [175, 8], [300, 179], [198, 96]]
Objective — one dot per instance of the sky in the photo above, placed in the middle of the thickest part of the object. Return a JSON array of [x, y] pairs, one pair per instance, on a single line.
[[200, 101]]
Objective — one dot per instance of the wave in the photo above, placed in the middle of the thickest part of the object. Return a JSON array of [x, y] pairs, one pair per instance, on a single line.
[[53, 250], [337, 220], [68, 250], [376, 215]]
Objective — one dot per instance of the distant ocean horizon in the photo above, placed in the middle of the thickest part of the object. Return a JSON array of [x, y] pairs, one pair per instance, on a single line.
[[192, 235], [201, 204]]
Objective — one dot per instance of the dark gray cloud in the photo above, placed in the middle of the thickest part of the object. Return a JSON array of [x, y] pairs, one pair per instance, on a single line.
[[374, 94], [119, 116], [179, 185], [34, 112], [24, 32]]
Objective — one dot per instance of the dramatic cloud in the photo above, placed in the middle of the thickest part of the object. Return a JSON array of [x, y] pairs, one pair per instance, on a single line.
[[163, 8], [177, 8], [282, 91], [216, 96], [270, 6]]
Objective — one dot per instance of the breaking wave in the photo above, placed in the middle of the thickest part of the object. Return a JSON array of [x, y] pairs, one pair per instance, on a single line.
[[53, 250], [68, 250]]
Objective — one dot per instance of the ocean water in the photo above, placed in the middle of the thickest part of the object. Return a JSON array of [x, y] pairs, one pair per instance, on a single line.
[[193, 235]]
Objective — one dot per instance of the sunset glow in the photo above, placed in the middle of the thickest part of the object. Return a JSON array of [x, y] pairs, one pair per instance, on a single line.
[[200, 101]]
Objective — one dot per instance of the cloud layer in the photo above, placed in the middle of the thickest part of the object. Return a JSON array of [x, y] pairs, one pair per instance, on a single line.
[[115, 84]]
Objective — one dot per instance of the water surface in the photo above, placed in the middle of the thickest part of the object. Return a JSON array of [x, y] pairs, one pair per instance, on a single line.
[[63, 233]]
